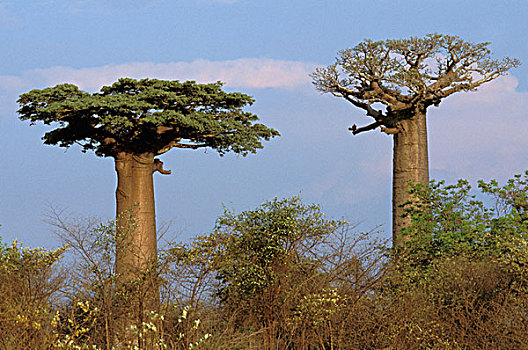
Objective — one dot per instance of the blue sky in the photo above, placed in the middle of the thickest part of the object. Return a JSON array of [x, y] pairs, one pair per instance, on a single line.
[[265, 49]]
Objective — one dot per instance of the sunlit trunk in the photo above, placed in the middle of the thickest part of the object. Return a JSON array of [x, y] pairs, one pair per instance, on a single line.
[[410, 164], [136, 244], [136, 218]]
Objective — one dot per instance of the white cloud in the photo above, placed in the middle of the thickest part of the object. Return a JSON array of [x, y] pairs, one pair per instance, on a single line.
[[13, 83], [489, 93], [240, 73], [481, 134]]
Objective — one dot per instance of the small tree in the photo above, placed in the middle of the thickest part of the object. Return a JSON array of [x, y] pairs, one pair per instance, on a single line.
[[404, 78], [285, 269]]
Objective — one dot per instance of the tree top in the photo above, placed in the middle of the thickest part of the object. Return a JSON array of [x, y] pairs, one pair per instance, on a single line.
[[146, 116], [408, 73]]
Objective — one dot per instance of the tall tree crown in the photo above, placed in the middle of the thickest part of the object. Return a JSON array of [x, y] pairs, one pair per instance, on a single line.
[[408, 73], [148, 115]]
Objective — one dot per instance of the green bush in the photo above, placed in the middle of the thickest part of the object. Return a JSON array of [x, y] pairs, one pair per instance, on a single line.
[[461, 279], [283, 276]]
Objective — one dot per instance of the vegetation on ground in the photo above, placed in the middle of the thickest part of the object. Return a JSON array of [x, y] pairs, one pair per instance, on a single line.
[[284, 276]]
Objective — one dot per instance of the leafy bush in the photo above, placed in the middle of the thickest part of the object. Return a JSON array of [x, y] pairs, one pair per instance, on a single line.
[[461, 279], [283, 276], [29, 287], [263, 269]]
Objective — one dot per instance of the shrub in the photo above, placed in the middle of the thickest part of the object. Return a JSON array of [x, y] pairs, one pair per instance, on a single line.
[[29, 285]]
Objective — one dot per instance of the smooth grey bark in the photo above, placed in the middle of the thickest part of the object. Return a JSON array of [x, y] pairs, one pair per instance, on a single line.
[[410, 164]]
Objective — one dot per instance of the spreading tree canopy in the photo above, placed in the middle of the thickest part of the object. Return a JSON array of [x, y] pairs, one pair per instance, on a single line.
[[146, 116], [395, 81]]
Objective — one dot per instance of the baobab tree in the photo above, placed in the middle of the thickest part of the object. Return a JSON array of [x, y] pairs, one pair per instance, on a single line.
[[395, 81], [133, 122]]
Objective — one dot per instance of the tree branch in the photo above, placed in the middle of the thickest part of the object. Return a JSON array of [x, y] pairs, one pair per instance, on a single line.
[[176, 144], [158, 166], [366, 106], [355, 130], [162, 129], [108, 140], [472, 85], [181, 145], [390, 131]]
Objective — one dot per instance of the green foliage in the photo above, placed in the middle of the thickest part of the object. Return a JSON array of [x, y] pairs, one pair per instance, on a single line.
[[448, 221], [282, 276], [512, 201], [28, 286], [262, 245], [461, 280], [146, 116]]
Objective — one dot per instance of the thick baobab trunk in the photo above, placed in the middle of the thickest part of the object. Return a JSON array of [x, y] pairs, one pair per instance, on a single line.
[[410, 164], [136, 245], [136, 220]]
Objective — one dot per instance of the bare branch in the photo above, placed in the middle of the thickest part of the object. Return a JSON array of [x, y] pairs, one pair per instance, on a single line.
[[355, 130], [109, 140], [163, 129], [390, 131], [176, 144], [158, 166], [366, 106], [402, 74]]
